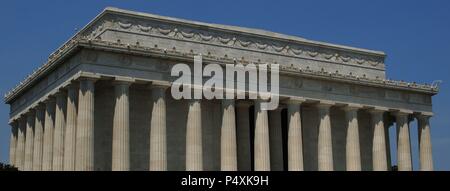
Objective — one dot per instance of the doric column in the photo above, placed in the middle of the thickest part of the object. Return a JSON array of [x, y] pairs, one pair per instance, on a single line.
[[121, 127], [70, 134], [13, 143], [275, 140], [295, 140], [243, 135], [84, 158], [158, 136], [353, 153], [379, 158], [38, 138], [20, 149], [194, 152], [403, 141], [29, 140], [261, 144], [49, 125], [58, 134], [325, 145], [228, 147], [426, 157]]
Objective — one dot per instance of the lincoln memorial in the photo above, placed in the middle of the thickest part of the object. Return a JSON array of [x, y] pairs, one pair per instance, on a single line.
[[102, 101]]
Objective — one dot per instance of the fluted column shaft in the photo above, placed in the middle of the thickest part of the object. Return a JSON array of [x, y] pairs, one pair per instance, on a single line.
[[70, 133], [228, 144], [379, 157], [261, 144], [29, 140], [20, 150], [49, 125], [121, 128], [325, 146], [425, 152], [403, 142], [38, 138], [194, 150], [295, 140], [275, 140], [13, 143], [58, 134], [353, 153], [243, 136], [158, 136], [84, 160]]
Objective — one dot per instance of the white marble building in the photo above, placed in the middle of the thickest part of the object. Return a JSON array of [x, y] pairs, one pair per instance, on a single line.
[[102, 102]]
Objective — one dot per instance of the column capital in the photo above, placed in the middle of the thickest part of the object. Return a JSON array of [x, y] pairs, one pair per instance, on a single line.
[[119, 80], [14, 123], [30, 115], [31, 112], [60, 93], [325, 104], [72, 85], [424, 115], [352, 107], [378, 110], [22, 119], [40, 106], [402, 112], [49, 100], [266, 96], [87, 76], [295, 100], [157, 84]]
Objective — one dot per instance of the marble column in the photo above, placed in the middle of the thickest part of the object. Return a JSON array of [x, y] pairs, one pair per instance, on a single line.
[[29, 141], [352, 148], [158, 136], [49, 125], [243, 136], [70, 133], [261, 140], [325, 145], [84, 157], [426, 157], [58, 134], [121, 127], [194, 150], [228, 144], [13, 143], [275, 140], [403, 142], [379, 157], [20, 149], [38, 138], [295, 139]]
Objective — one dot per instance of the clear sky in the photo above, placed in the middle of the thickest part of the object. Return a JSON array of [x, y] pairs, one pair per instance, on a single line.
[[414, 34]]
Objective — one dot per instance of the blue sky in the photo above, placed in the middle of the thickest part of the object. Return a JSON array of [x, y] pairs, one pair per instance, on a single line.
[[414, 34]]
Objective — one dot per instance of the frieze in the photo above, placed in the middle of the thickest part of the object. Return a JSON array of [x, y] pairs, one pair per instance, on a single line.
[[234, 40], [330, 88]]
